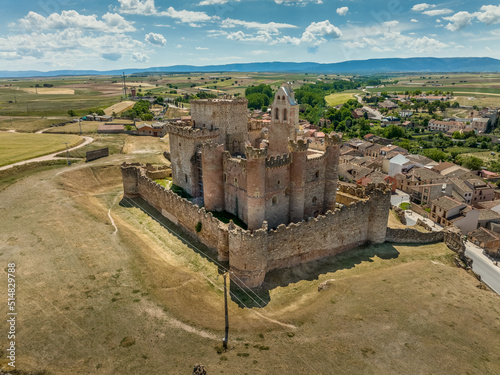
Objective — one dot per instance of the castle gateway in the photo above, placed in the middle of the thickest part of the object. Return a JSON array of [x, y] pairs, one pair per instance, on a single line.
[[267, 176]]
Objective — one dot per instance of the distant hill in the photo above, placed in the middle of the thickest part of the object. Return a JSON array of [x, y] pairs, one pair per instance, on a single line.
[[371, 66]]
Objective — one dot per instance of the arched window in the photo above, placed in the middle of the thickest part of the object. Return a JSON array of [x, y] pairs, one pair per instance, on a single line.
[[236, 146], [284, 115], [315, 199], [276, 114], [316, 174], [275, 200], [279, 98]]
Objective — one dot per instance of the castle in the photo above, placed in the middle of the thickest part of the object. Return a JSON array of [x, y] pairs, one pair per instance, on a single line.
[[266, 175], [255, 172]]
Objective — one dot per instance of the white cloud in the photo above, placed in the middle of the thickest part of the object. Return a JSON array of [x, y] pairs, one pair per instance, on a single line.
[[187, 16], [489, 14], [323, 29], [155, 39], [414, 20], [261, 36], [71, 19], [458, 21], [437, 12], [140, 57], [298, 2], [388, 38], [215, 2], [69, 45], [259, 52], [146, 7], [9, 56], [422, 7], [316, 33], [271, 27], [201, 48], [342, 11]]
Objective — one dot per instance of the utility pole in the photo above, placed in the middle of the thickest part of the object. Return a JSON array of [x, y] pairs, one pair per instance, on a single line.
[[124, 87], [67, 154], [80, 122], [226, 336]]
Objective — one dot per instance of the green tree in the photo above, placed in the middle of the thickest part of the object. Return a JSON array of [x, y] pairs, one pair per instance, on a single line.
[[71, 113], [471, 162], [394, 131]]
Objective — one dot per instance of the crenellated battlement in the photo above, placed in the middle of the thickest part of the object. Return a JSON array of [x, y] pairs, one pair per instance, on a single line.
[[190, 132], [219, 102], [256, 125], [333, 139], [278, 161], [234, 160], [297, 146], [255, 153]]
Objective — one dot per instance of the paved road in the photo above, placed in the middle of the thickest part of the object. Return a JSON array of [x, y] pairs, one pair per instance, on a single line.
[[372, 113], [48, 157], [482, 265], [399, 197]]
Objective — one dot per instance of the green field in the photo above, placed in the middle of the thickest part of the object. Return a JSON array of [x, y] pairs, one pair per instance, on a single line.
[[21, 103], [29, 124], [341, 97], [16, 147]]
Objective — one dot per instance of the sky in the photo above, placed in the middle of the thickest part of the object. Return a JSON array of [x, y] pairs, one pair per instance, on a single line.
[[115, 34]]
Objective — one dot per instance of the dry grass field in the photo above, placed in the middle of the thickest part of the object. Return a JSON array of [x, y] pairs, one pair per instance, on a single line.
[[49, 91], [105, 286]]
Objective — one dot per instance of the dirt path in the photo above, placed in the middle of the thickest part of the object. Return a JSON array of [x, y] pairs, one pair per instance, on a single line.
[[48, 157]]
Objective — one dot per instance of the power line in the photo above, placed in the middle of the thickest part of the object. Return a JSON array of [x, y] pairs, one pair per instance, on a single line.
[[224, 268]]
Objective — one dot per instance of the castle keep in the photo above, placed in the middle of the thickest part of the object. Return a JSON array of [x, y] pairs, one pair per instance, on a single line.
[[266, 175]]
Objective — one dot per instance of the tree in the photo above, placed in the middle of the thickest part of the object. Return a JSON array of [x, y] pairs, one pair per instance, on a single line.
[[471, 162], [71, 113], [394, 131]]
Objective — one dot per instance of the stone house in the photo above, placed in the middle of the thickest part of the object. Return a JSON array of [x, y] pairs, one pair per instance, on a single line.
[[447, 211], [425, 194], [487, 239], [418, 176]]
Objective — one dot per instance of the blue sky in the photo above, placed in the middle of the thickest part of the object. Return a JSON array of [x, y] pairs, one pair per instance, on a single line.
[[66, 34]]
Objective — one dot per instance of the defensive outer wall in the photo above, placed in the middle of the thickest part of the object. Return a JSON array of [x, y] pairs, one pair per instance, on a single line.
[[361, 218]]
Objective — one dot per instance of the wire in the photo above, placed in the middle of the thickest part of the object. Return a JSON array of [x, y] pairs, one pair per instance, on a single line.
[[245, 289]]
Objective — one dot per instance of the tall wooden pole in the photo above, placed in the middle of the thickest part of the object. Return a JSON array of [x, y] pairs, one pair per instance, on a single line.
[[226, 336]]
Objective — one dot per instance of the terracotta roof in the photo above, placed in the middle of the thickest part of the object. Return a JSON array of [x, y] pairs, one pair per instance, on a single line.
[[484, 235], [488, 215], [441, 167], [447, 203]]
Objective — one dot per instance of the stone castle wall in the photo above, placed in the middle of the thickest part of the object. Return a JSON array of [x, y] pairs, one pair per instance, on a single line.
[[183, 213], [253, 253], [409, 235]]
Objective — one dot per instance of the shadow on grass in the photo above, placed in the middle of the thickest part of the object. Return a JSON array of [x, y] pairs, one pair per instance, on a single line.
[[184, 236], [311, 271], [260, 297]]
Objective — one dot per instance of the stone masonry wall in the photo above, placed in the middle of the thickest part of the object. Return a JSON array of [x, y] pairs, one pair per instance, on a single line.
[[250, 252], [179, 211], [409, 235], [253, 253]]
